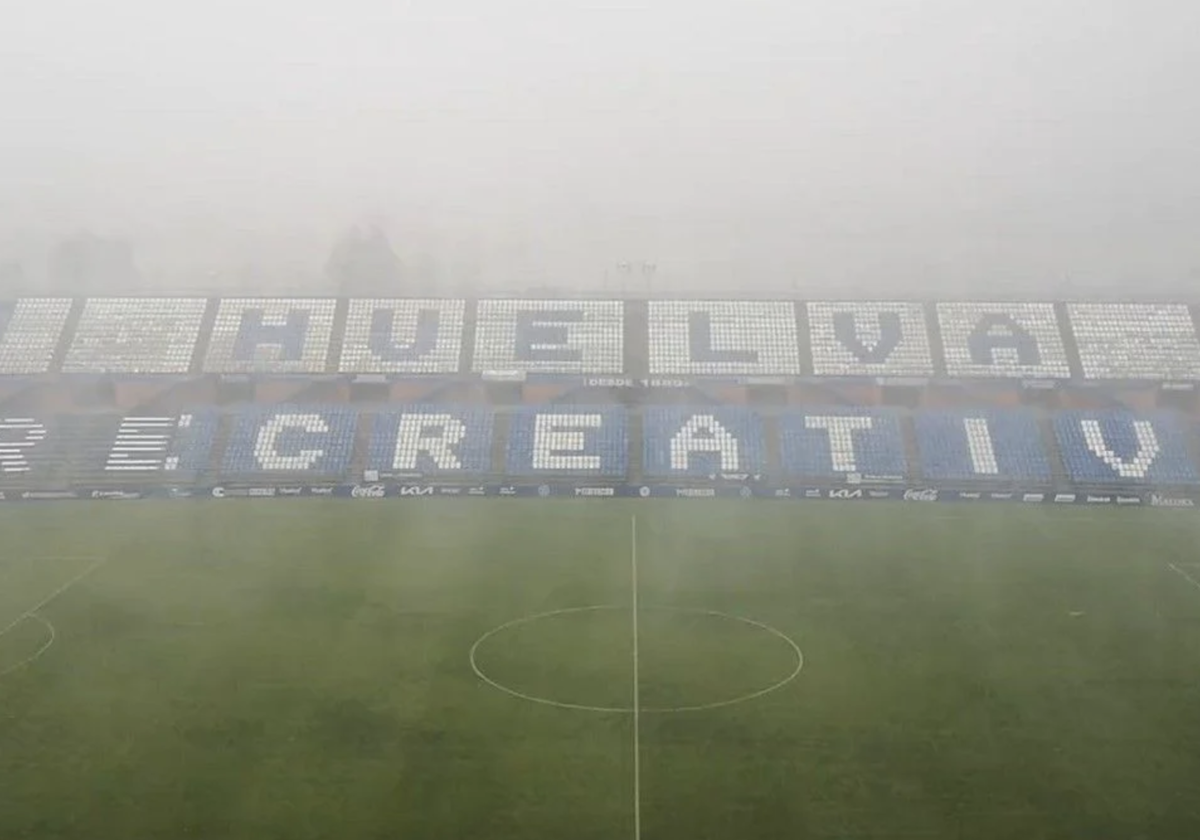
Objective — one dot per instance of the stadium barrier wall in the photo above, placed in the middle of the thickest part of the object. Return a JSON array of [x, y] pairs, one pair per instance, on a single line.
[[387, 490]]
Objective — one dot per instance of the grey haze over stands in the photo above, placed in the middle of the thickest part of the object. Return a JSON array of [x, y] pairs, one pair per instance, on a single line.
[[878, 149], [688, 338]]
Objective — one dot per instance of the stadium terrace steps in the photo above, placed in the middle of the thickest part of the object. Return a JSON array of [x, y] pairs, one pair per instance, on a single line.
[[601, 338], [810, 445]]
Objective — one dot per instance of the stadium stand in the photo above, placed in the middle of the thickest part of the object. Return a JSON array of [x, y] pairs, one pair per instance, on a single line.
[[403, 336], [29, 332], [1135, 341], [550, 336], [869, 339], [136, 336], [271, 335], [723, 338], [981, 445], [1122, 447], [432, 440], [842, 444], [1002, 340], [682, 442], [568, 440], [313, 442], [743, 391]]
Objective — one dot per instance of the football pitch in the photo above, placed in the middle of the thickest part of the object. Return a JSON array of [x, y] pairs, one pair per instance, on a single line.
[[675, 670]]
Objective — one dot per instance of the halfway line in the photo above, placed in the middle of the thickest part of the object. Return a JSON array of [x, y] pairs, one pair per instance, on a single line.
[[637, 714]]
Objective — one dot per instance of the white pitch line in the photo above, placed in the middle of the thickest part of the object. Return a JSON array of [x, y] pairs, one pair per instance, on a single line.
[[1184, 574], [637, 709], [29, 612]]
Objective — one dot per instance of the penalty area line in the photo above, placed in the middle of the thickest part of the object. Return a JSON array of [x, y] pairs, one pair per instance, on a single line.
[[57, 592], [1184, 575]]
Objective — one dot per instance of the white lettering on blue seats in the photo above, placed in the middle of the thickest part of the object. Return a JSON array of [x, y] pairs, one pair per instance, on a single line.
[[545, 441], [136, 335], [980, 445], [266, 446], [1135, 341], [292, 440], [1020, 340], [702, 442], [403, 336], [869, 339], [271, 335], [550, 336], [29, 332], [723, 338], [162, 444], [1123, 447], [432, 440], [18, 436], [843, 443]]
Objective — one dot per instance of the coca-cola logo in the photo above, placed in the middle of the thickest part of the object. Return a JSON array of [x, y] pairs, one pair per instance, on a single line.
[[369, 491], [926, 495]]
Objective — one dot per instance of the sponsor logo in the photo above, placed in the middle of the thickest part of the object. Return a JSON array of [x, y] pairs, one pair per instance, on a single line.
[[695, 492], [179, 493], [1099, 500], [368, 491], [544, 491], [812, 493], [1034, 497], [114, 494], [1004, 497], [291, 491], [450, 491], [732, 476], [49, 494], [1136, 500], [261, 492], [508, 491], [644, 492], [320, 491], [1157, 500], [666, 383], [595, 491], [608, 382], [846, 494], [926, 495], [970, 495], [1067, 498], [414, 490], [783, 493], [879, 494], [476, 491], [218, 492]]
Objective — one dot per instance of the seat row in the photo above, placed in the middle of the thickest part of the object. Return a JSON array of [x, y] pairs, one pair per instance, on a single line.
[[840, 444], [173, 336]]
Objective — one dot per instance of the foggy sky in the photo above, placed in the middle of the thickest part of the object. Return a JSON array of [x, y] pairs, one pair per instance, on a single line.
[[885, 147]]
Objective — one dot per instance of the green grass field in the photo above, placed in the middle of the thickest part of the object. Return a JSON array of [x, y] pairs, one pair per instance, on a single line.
[[301, 669]]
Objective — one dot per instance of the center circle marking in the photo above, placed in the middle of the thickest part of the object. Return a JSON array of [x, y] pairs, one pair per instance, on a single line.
[[546, 701]]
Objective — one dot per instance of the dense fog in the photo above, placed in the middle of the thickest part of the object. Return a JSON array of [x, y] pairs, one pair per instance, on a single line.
[[891, 147]]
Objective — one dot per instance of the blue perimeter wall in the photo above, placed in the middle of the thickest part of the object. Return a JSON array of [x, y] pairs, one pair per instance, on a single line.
[[923, 494]]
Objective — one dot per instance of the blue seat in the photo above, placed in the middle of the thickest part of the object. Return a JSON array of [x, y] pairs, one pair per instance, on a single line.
[[1123, 447], [432, 440], [841, 443], [681, 442], [291, 440], [568, 440], [986, 445]]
